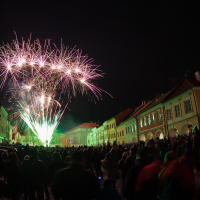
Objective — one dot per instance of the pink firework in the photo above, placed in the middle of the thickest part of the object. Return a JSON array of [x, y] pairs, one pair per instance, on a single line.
[[66, 68]]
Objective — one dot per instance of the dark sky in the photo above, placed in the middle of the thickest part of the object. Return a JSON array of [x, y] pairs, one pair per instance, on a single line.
[[139, 46]]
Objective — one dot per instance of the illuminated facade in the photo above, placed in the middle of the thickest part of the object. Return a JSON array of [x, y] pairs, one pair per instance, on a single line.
[[182, 107], [79, 134], [5, 128]]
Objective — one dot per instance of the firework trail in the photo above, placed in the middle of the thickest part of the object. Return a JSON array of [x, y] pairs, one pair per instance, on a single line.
[[42, 77]]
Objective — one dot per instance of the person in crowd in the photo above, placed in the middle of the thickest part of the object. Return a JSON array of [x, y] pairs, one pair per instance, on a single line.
[[196, 152], [179, 151], [26, 150], [5, 190], [34, 171], [24, 183], [111, 167], [147, 180], [1, 164], [67, 161], [130, 161], [141, 161], [175, 180], [96, 161], [55, 166], [46, 159], [75, 183], [108, 192], [64, 154], [187, 158], [88, 160], [121, 167], [12, 171]]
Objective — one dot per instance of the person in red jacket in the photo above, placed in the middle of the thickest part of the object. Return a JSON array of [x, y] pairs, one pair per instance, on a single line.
[[175, 180]]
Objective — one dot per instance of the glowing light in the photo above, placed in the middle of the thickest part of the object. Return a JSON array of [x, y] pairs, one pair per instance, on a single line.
[[9, 67], [49, 99], [23, 60], [28, 110], [19, 64], [28, 87], [53, 67], [69, 71], [77, 70], [42, 64], [42, 99], [31, 63], [59, 66], [82, 80]]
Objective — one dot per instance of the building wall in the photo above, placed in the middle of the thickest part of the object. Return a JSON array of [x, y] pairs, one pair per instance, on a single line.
[[105, 131], [131, 131], [121, 135], [156, 126], [3, 125], [65, 141], [111, 131]]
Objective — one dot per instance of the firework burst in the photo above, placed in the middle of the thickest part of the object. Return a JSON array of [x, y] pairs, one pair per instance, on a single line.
[[42, 77]]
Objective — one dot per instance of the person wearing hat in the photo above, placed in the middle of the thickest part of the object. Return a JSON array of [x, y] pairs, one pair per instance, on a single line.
[[75, 182]]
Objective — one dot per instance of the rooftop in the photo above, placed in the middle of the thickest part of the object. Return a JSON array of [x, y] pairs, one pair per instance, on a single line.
[[85, 125]]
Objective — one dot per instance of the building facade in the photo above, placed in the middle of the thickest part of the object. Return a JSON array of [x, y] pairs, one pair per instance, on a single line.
[[79, 134], [3, 125], [182, 108]]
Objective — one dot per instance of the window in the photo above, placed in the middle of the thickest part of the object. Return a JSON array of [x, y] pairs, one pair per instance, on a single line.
[[145, 122], [148, 119], [141, 123], [153, 117], [177, 110], [159, 116], [169, 113], [134, 127], [188, 106], [122, 133], [128, 129], [131, 128]]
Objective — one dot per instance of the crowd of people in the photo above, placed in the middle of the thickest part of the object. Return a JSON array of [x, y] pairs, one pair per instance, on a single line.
[[158, 169]]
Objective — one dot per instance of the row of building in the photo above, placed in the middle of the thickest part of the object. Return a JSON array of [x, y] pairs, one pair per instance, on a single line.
[[167, 115]]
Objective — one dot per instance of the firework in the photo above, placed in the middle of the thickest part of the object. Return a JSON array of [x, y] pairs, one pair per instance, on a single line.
[[42, 77]]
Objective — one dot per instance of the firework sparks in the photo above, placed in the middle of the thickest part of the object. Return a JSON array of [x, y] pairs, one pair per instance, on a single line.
[[40, 74]]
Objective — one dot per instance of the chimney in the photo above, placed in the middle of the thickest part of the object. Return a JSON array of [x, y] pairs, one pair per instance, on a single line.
[[197, 74]]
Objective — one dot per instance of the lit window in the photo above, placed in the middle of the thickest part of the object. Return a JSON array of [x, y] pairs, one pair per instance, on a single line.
[[134, 127], [188, 106], [148, 119], [153, 117], [158, 115], [169, 113], [177, 110], [141, 125], [145, 122]]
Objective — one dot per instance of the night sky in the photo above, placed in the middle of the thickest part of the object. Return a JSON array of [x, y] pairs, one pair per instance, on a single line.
[[139, 46]]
